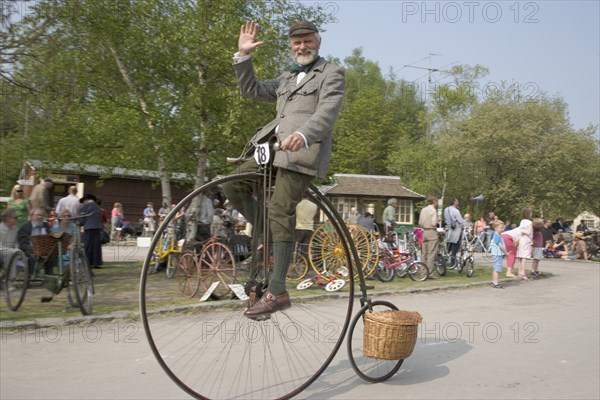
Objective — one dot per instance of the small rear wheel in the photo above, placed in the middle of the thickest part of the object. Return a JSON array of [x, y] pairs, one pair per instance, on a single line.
[[370, 369], [16, 280], [418, 271]]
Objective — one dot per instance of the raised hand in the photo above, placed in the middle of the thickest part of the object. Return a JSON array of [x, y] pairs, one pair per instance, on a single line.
[[247, 41]]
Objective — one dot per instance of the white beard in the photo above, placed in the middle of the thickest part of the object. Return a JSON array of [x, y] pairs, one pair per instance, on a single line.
[[305, 59]]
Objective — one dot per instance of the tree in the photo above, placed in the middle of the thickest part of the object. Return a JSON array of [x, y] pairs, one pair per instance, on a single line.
[[149, 84], [522, 152], [378, 113]]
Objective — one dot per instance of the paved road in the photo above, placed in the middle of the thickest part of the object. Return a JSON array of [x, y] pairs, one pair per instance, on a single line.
[[534, 340]]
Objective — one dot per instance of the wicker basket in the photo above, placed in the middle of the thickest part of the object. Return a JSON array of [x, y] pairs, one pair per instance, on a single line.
[[47, 245], [390, 335]]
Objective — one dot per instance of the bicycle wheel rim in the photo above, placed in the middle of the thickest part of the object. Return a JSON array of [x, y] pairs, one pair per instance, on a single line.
[[369, 369], [210, 350], [16, 280], [82, 282], [418, 271], [187, 275]]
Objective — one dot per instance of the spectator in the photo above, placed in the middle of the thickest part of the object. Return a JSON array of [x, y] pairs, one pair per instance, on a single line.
[[480, 227], [525, 244], [34, 227], [8, 235], [489, 230], [306, 211], [116, 221], [92, 230], [428, 222], [149, 219], [20, 204], [64, 224], [538, 246], [367, 221], [41, 195], [549, 251], [231, 213], [497, 250], [582, 227], [547, 232], [69, 202], [352, 215], [454, 225], [511, 238], [468, 223], [217, 227], [559, 225], [162, 212], [580, 247], [508, 225], [389, 216], [203, 218]]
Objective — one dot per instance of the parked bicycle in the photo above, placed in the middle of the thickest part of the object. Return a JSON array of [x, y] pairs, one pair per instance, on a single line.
[[68, 256], [394, 262], [166, 254]]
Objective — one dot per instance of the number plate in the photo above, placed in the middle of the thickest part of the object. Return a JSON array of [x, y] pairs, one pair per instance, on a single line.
[[262, 154]]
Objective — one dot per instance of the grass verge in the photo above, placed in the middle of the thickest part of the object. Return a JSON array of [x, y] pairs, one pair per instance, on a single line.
[[117, 289]]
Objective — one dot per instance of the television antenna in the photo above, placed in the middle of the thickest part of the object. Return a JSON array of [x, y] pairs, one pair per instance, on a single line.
[[430, 70]]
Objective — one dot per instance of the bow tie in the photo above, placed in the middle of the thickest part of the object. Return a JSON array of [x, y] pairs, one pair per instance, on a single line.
[[297, 68]]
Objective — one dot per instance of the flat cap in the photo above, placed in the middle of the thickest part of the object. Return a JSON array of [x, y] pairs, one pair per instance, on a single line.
[[302, 28]]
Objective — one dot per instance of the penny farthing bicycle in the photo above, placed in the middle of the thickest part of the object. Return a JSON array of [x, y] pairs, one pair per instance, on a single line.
[[211, 350]]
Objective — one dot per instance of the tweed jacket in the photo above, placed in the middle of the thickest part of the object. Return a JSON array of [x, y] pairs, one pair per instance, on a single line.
[[310, 107]]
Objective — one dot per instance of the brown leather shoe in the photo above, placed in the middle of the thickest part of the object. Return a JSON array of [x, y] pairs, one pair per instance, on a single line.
[[268, 304]]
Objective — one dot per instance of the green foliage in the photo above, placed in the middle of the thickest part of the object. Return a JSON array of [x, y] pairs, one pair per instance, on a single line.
[[377, 115], [86, 67], [519, 153]]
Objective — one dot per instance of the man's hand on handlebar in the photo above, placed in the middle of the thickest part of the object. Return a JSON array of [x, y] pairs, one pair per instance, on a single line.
[[294, 142]]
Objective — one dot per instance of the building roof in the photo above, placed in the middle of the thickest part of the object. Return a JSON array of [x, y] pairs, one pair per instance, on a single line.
[[369, 185], [75, 168]]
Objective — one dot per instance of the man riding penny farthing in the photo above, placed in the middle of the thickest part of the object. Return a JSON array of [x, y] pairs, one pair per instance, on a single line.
[[308, 103]]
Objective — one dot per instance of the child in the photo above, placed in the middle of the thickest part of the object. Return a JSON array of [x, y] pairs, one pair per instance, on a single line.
[[538, 247], [498, 249]]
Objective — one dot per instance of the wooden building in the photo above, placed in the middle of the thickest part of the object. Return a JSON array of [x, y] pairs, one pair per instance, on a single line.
[[133, 188], [370, 193]]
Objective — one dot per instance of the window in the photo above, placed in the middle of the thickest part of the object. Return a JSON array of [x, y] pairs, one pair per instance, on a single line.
[[343, 204], [589, 223], [404, 212]]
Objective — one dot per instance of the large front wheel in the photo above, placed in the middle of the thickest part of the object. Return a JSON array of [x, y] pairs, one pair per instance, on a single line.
[[370, 369], [209, 348]]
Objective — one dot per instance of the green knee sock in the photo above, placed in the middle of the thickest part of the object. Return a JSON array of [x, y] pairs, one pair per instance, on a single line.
[[282, 255]]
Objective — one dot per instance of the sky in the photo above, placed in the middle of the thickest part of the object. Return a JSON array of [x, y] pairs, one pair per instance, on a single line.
[[550, 47]]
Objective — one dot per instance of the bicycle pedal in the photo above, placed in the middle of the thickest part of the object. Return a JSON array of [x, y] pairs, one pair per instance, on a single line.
[[46, 299]]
